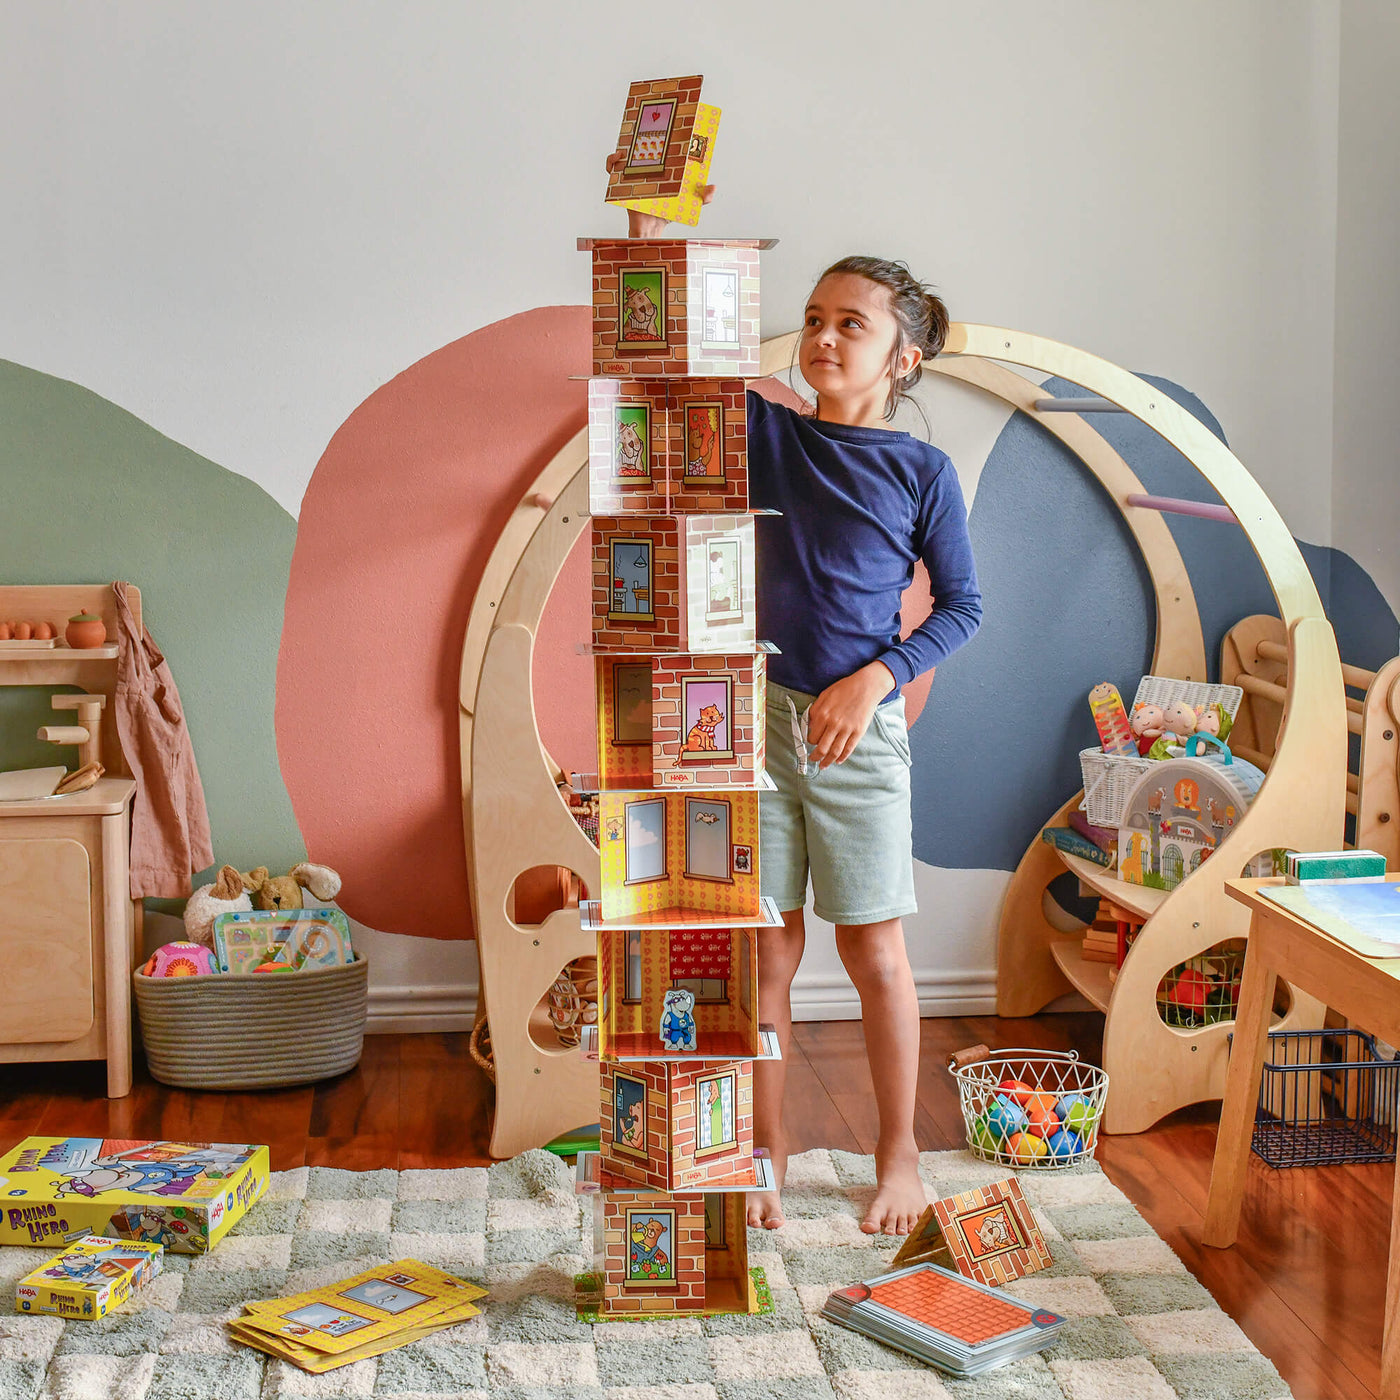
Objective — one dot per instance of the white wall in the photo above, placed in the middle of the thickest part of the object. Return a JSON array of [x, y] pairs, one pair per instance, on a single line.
[[237, 222], [1366, 438]]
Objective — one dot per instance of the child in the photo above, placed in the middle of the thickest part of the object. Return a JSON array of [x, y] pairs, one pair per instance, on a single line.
[[860, 503]]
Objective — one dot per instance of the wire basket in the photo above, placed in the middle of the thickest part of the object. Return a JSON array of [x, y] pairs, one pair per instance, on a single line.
[[1204, 989], [1326, 1097], [1032, 1109], [1109, 778]]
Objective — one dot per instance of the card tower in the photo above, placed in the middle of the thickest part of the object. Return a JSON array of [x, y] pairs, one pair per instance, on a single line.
[[680, 685]]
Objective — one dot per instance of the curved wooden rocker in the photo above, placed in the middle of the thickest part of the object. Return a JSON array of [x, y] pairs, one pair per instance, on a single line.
[[514, 818]]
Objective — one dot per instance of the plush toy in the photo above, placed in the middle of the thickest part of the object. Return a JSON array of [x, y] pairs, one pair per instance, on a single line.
[[1212, 719], [205, 905], [285, 891], [1179, 720], [678, 1020], [1146, 725]]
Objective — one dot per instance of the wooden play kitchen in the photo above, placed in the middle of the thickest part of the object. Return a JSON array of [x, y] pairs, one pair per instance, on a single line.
[[69, 928]]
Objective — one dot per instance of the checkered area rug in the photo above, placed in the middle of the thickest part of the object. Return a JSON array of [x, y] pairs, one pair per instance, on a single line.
[[1140, 1328]]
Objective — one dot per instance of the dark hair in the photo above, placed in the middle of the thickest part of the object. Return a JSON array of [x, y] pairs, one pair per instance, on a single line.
[[919, 314]]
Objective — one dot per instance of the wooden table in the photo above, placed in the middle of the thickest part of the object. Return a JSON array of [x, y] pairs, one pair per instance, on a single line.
[[1364, 990]]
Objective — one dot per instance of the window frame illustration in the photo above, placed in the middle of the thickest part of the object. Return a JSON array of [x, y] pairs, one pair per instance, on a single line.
[[619, 1145], [648, 876], [702, 1113], [710, 275], [707, 991], [632, 166], [642, 481], [636, 275], [628, 733], [719, 478], [741, 859], [691, 873], [630, 937], [717, 753], [725, 543], [650, 1212], [615, 543]]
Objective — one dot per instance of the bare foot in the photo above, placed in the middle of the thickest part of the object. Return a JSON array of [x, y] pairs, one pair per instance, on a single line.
[[766, 1207], [899, 1199]]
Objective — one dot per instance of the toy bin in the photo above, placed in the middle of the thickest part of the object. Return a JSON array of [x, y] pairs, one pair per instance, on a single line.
[[1035, 1110], [1325, 1097], [253, 1031], [1108, 779]]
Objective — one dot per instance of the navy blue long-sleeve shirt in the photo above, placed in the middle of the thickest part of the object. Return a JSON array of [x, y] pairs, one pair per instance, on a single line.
[[859, 506]]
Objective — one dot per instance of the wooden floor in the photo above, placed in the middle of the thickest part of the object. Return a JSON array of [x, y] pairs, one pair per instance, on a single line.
[[1305, 1282]]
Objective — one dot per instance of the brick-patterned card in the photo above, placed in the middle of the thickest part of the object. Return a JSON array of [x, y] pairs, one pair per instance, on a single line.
[[988, 1233], [666, 141]]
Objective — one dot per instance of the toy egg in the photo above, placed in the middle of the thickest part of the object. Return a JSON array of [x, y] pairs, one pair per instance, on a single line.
[[1005, 1117], [6, 632], [983, 1138], [1039, 1103], [1015, 1090], [1042, 1123], [180, 960], [43, 631], [1026, 1147], [23, 631], [1066, 1103], [1064, 1144], [1081, 1119]]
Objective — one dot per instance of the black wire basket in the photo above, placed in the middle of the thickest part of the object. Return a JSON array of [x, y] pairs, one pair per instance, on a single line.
[[1326, 1097]]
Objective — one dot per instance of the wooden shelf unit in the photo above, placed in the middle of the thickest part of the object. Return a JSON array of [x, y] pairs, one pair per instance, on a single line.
[[1153, 1068], [69, 929]]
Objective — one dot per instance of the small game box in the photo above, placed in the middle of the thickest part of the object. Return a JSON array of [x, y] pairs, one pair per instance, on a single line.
[[185, 1196], [89, 1279]]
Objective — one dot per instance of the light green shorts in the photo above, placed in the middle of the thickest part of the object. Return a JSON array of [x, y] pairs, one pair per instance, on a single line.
[[847, 825]]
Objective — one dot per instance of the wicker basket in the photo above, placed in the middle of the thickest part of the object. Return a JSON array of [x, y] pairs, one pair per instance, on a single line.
[[254, 1031], [1109, 778]]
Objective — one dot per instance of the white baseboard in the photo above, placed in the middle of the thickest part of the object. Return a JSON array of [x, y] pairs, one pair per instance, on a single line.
[[815, 997]]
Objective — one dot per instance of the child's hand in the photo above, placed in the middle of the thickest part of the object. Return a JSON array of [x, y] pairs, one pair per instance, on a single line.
[[840, 715], [648, 225]]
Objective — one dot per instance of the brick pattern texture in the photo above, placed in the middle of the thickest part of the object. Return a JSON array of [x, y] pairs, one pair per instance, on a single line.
[[665, 182], [687, 1293]]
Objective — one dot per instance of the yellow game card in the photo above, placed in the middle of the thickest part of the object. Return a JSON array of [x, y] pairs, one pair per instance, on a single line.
[[685, 207]]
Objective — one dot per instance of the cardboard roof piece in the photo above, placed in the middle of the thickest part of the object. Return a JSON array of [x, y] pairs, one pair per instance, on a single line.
[[987, 1233]]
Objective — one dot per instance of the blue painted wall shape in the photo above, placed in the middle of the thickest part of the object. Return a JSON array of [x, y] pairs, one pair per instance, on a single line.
[[1068, 602]]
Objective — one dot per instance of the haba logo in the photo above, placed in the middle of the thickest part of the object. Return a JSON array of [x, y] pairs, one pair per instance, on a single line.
[[24, 1290], [216, 1213]]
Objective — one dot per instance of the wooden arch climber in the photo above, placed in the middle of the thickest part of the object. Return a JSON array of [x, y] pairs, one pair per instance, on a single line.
[[515, 819]]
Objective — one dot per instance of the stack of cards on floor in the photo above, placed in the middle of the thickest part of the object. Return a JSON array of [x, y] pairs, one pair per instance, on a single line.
[[961, 1327], [373, 1312]]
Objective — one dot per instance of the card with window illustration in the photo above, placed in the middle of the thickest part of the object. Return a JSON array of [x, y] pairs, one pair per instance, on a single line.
[[666, 142]]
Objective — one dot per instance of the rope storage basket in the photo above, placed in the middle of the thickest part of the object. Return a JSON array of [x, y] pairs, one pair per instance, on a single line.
[[253, 1031], [1031, 1109]]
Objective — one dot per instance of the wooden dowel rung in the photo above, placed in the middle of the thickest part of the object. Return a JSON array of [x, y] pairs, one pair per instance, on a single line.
[[1357, 676], [1267, 690], [64, 734], [1353, 803], [1173, 505], [1077, 406]]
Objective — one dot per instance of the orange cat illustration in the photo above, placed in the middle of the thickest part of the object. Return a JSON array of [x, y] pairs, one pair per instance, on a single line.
[[701, 738]]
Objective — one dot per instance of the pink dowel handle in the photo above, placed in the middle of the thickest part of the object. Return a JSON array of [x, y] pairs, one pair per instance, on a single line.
[[1204, 509]]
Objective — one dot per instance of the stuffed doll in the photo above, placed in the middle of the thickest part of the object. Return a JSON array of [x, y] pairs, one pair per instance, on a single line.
[[1146, 725], [285, 891]]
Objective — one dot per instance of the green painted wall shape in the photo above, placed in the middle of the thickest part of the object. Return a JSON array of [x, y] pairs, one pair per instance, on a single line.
[[93, 494]]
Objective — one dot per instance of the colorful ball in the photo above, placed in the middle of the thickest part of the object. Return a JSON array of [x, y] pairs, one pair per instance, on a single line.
[[1026, 1147], [1064, 1144], [180, 960]]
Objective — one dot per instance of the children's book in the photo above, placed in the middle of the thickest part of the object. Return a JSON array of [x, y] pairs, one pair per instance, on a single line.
[[372, 1312], [667, 139], [987, 1233], [940, 1317], [89, 1279], [185, 1196], [297, 938]]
